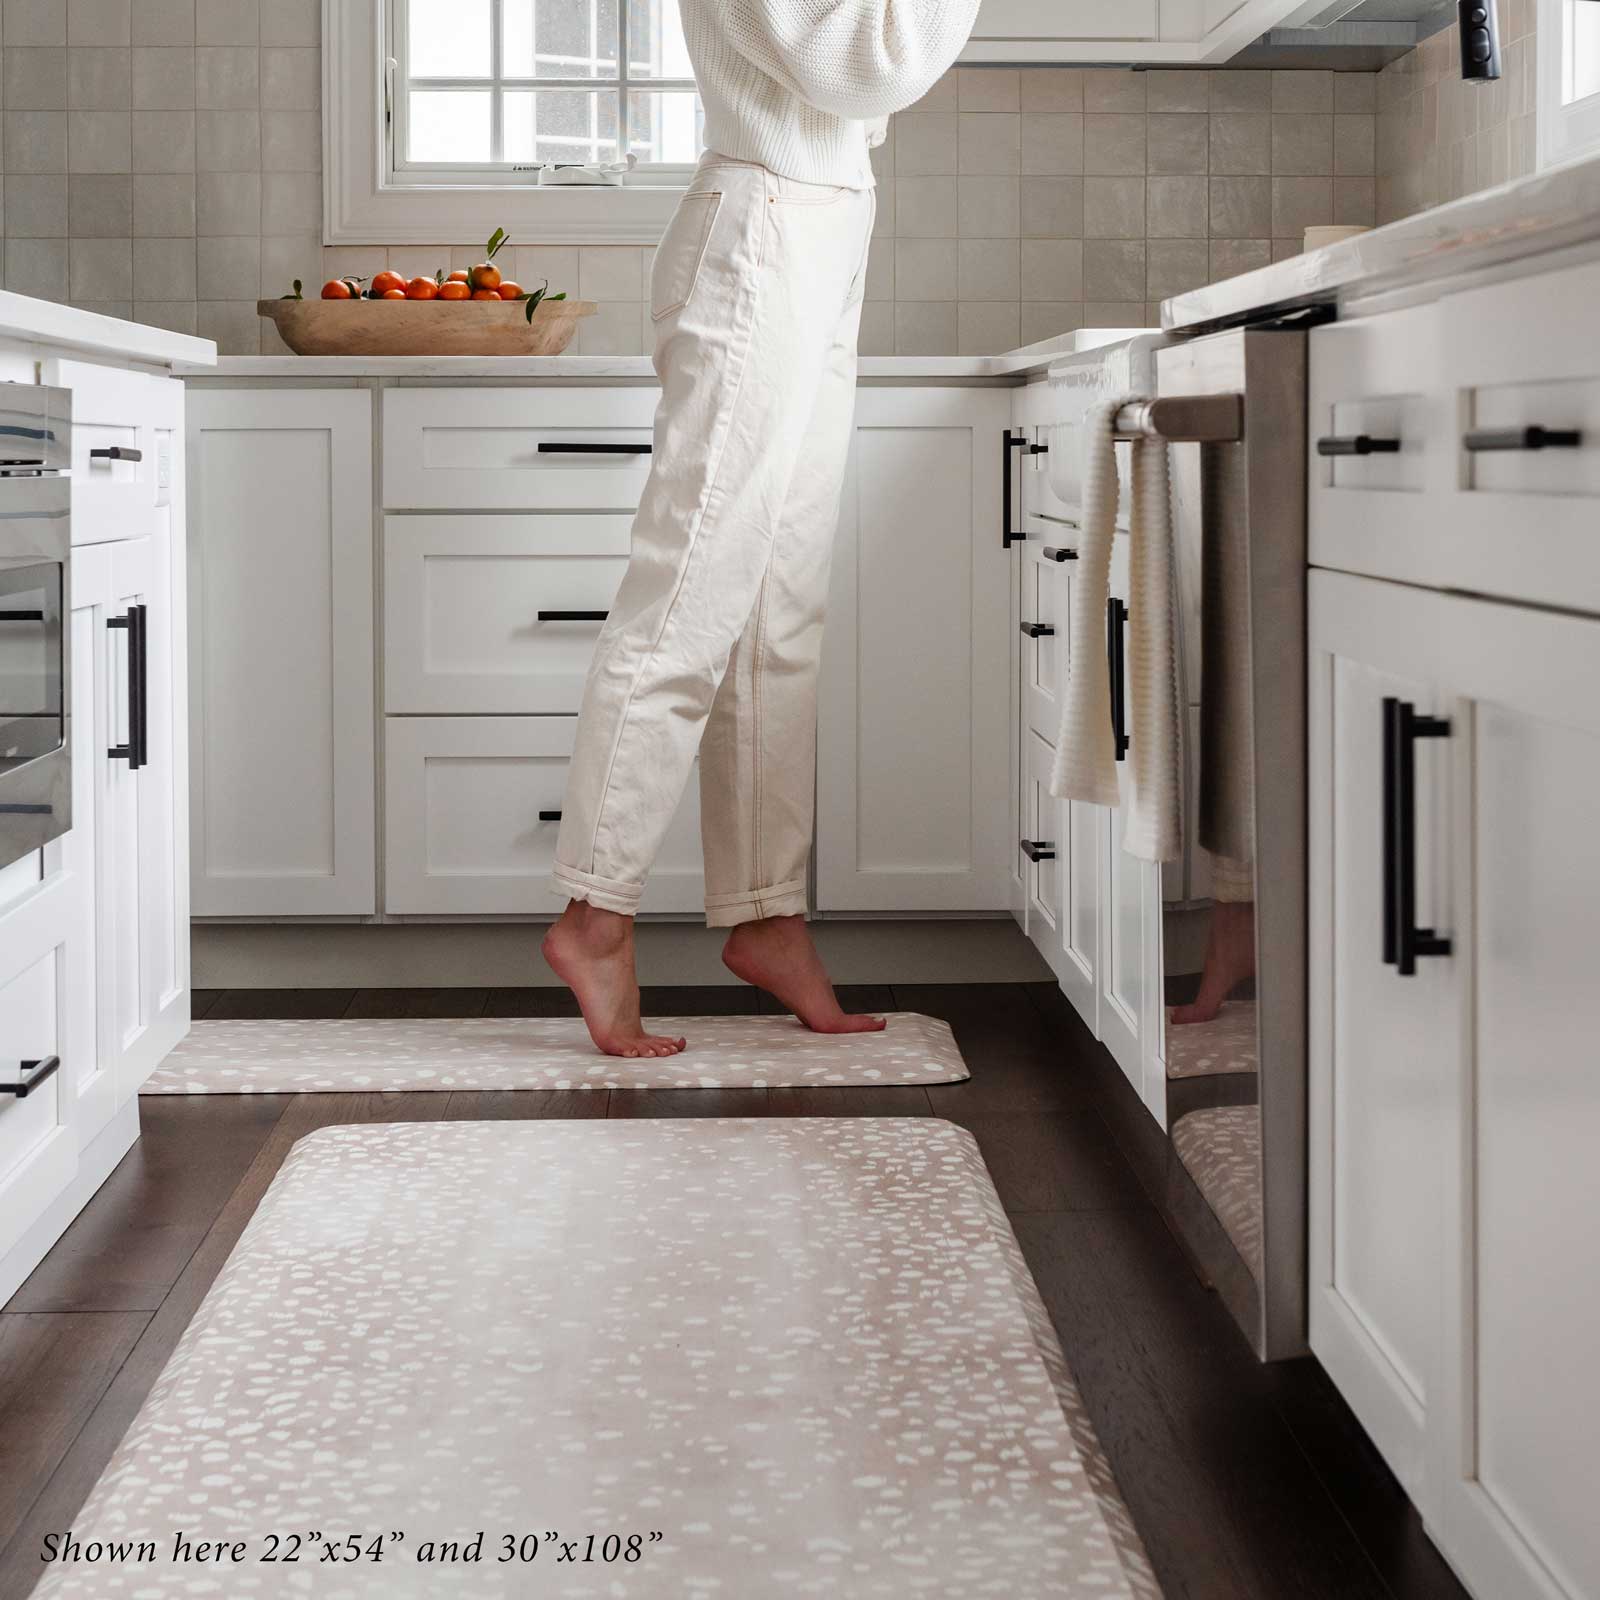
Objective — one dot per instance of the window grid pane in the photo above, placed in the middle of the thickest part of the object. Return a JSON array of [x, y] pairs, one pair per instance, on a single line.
[[501, 82]]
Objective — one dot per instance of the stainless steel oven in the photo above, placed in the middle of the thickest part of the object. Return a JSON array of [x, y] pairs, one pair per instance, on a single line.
[[35, 567]]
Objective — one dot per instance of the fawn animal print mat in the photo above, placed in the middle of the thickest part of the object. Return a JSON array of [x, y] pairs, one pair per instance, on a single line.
[[548, 1053], [686, 1357]]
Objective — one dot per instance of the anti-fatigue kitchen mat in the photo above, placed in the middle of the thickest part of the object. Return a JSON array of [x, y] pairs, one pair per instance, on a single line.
[[678, 1357], [745, 1052]]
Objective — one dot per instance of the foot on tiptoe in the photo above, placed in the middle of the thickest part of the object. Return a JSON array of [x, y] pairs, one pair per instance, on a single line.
[[1230, 959], [776, 954], [591, 952]]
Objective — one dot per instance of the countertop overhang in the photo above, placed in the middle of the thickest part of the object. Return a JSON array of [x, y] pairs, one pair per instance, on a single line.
[[45, 322]]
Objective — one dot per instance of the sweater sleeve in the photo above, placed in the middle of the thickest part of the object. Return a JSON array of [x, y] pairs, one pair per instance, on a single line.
[[861, 59]]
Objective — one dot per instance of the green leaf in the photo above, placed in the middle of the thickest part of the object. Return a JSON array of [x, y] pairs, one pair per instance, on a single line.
[[297, 295], [496, 239], [561, 296], [532, 299]]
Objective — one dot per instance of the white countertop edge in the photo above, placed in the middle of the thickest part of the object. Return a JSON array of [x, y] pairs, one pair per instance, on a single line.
[[1550, 210], [45, 322]]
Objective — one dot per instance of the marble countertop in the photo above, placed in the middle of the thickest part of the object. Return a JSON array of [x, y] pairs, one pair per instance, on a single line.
[[45, 322], [1549, 211], [1013, 366]]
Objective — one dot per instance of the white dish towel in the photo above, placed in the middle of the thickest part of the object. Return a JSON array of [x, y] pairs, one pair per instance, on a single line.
[[1086, 763]]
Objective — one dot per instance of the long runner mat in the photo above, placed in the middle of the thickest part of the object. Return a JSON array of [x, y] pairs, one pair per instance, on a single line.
[[547, 1053], [745, 1358]]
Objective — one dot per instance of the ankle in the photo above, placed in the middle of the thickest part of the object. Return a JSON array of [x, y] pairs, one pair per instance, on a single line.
[[599, 931]]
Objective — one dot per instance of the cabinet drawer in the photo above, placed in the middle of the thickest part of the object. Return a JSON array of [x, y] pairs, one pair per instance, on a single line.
[[1046, 587], [1374, 392], [486, 614], [464, 836], [1525, 356], [516, 449], [122, 422]]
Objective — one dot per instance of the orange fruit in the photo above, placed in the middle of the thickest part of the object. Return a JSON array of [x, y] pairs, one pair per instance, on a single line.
[[486, 294], [421, 289], [385, 281], [460, 275], [509, 290], [454, 289], [486, 275], [336, 289], [393, 294]]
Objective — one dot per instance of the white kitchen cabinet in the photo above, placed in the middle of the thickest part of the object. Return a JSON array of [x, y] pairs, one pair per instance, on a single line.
[[474, 810], [1455, 1278], [913, 727], [1121, 31], [282, 686]]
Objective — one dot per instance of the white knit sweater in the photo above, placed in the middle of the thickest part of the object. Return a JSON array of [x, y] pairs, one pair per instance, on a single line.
[[805, 87]]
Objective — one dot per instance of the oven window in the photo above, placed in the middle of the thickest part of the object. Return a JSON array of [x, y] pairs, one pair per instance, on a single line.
[[32, 719]]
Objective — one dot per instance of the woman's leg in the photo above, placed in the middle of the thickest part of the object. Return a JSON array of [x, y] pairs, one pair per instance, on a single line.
[[741, 362]]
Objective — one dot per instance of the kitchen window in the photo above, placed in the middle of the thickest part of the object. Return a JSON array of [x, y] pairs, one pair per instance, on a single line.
[[437, 113], [1569, 80]]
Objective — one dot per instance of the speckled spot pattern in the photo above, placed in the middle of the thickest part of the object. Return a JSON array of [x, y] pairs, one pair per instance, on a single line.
[[258, 1057], [808, 1352], [1221, 1148], [1227, 1043]]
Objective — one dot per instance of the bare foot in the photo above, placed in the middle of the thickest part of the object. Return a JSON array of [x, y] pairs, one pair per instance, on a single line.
[[592, 953], [776, 954], [1230, 959]]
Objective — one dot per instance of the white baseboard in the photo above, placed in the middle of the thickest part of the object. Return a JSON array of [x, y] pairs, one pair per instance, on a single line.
[[506, 955]]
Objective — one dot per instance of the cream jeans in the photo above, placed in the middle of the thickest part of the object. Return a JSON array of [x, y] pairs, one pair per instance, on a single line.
[[713, 641]]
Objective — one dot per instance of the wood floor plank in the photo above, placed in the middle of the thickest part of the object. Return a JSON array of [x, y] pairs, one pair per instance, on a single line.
[[690, 1103], [53, 1372], [286, 1005], [201, 1002], [63, 1496], [534, 1001], [841, 1100], [526, 1105], [875, 998], [699, 1000], [1055, 1161], [128, 1245], [379, 1003]]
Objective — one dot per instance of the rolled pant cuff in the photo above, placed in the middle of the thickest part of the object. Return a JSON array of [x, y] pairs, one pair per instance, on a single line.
[[750, 905], [607, 893]]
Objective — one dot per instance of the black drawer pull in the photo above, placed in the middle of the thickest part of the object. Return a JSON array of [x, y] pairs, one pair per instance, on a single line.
[[1357, 444], [585, 447], [21, 616], [34, 1073], [1530, 438], [1008, 536], [1038, 630], [1056, 553], [1116, 662], [1039, 849], [549, 816], [573, 616], [1061, 522], [1403, 940], [116, 452], [136, 752]]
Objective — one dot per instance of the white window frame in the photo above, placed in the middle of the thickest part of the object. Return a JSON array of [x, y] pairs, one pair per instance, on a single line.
[[1565, 132], [364, 201]]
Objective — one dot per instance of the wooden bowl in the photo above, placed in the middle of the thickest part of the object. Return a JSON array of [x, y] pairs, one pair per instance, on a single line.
[[425, 327]]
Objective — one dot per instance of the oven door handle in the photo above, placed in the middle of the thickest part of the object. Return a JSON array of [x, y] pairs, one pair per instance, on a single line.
[[136, 752]]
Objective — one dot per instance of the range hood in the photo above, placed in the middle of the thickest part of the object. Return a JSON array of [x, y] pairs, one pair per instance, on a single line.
[[1347, 35]]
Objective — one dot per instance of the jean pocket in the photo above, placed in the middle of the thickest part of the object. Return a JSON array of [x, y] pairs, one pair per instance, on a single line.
[[682, 249]]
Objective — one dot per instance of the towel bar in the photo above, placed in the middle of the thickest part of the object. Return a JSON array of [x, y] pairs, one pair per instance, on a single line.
[[1184, 419]]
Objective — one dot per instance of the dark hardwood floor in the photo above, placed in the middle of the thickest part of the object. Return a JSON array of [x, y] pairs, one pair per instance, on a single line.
[[1247, 1482]]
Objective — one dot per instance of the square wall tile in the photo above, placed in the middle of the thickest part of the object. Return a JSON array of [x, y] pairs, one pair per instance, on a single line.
[[1300, 203], [178, 316], [988, 269], [1302, 143], [297, 22], [1230, 257], [877, 328], [922, 208], [1114, 269], [163, 141], [35, 22], [163, 22], [228, 141], [880, 272], [1113, 208], [98, 22], [988, 89], [1052, 142], [1241, 143], [1176, 266], [1052, 208], [99, 78], [988, 327], [1052, 269], [989, 142], [163, 78], [98, 141], [163, 269], [925, 144], [36, 205], [1239, 89], [233, 324], [1241, 208], [36, 267], [925, 269], [36, 141], [228, 269], [227, 77], [1177, 208], [100, 269], [987, 208], [291, 202], [228, 21], [285, 257], [1113, 143], [534, 264], [227, 202], [1177, 90], [291, 78], [1178, 143], [1355, 201], [1113, 89], [924, 328], [101, 205], [1355, 91], [35, 77], [610, 272], [1302, 91], [291, 141], [163, 205], [1046, 319], [1355, 145], [1050, 89], [616, 329]]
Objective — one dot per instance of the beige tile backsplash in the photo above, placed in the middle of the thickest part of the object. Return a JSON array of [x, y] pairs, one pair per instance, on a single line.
[[162, 160]]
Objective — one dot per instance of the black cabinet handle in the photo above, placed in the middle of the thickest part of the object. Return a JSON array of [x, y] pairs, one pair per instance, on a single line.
[[1116, 660], [1357, 444], [34, 1073], [1403, 940], [1008, 535], [1039, 630], [136, 752], [1058, 553], [1530, 438], [1039, 849], [549, 816], [573, 616], [585, 447], [116, 452]]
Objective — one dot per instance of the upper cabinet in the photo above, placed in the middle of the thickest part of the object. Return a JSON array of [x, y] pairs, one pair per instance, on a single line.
[[1172, 32]]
